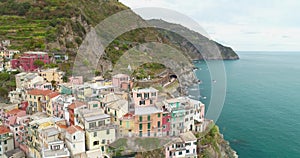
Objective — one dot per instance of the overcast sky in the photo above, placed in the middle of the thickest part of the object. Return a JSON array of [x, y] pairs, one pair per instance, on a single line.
[[244, 24]]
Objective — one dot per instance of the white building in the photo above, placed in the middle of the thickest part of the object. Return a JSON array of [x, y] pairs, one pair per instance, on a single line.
[[184, 146], [6, 140], [75, 141]]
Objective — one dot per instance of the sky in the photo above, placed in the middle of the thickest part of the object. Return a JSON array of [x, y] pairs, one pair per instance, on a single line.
[[244, 25]]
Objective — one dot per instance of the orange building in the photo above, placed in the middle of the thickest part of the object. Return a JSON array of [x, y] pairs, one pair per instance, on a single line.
[[148, 121]]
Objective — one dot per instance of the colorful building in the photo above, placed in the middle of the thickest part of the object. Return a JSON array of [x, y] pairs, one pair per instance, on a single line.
[[144, 97], [184, 146], [120, 80], [6, 140], [73, 110], [148, 121], [127, 125], [10, 117], [99, 130], [39, 100], [75, 141], [26, 61], [51, 75]]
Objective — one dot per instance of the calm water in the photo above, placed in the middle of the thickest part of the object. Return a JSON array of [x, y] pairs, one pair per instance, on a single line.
[[261, 114]]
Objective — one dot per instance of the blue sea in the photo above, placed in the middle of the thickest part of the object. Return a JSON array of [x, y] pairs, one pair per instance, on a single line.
[[261, 114]]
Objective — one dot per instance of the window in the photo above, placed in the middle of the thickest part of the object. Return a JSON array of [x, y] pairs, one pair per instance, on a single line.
[[5, 142], [103, 141], [74, 138], [146, 95], [96, 143], [120, 123], [151, 102], [158, 115], [102, 148], [148, 133], [158, 124], [141, 118], [95, 134], [142, 102], [101, 123], [141, 126], [149, 125], [141, 134], [164, 126], [149, 117], [153, 94], [180, 153], [56, 147], [107, 131], [138, 95], [187, 151], [93, 124], [95, 105]]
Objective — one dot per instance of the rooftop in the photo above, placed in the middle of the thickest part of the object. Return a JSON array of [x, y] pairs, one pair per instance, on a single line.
[[96, 117], [188, 136], [56, 153], [77, 104], [16, 152], [14, 111], [4, 130], [51, 131], [39, 92], [145, 110], [33, 52], [120, 75], [53, 94], [72, 129], [145, 90]]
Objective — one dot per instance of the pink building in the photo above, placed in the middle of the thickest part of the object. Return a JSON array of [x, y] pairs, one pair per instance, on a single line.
[[120, 80], [144, 97], [11, 116], [166, 123], [19, 131], [26, 61], [77, 80]]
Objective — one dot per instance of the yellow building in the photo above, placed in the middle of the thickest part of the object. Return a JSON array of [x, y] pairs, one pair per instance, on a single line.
[[40, 100], [49, 98], [50, 75], [127, 125], [34, 142], [98, 128]]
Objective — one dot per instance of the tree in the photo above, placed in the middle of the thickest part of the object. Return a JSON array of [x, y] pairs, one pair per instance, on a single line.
[[38, 63]]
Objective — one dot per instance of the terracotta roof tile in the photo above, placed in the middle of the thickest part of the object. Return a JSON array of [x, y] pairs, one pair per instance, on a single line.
[[128, 115], [76, 104], [4, 130], [39, 92], [14, 111], [72, 129], [53, 94]]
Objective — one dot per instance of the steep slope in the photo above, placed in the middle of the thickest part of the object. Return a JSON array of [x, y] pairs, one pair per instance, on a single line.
[[61, 25]]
